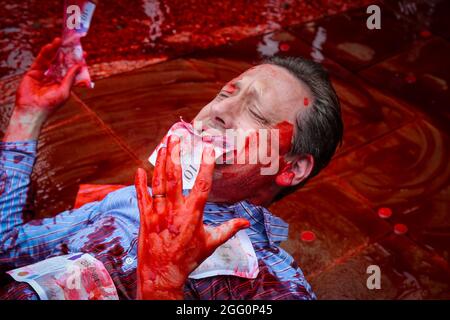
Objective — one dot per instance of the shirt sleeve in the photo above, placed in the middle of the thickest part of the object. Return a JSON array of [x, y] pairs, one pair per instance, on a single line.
[[24, 242]]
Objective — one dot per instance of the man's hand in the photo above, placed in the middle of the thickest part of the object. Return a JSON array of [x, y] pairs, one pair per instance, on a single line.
[[38, 96], [173, 240]]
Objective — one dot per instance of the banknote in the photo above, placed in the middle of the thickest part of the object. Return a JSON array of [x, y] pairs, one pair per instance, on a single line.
[[191, 145], [77, 276], [71, 51], [236, 257]]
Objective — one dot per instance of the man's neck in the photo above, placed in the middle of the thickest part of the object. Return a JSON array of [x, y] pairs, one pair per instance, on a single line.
[[259, 198]]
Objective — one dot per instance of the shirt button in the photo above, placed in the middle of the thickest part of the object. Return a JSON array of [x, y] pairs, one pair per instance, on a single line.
[[129, 260]]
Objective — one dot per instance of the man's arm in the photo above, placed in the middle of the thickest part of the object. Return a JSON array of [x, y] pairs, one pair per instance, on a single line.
[[24, 241], [37, 97]]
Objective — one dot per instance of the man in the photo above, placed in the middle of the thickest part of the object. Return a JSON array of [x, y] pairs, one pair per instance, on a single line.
[[151, 255]]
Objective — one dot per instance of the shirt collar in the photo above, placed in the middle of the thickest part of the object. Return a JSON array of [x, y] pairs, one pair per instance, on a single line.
[[276, 229]]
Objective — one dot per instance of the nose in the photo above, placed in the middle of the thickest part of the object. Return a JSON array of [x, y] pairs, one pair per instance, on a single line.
[[224, 113]]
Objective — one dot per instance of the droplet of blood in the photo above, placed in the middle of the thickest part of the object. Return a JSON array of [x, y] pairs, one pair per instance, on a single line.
[[284, 47], [385, 213], [305, 102], [18, 158], [307, 236], [410, 78], [230, 88], [400, 229], [425, 34]]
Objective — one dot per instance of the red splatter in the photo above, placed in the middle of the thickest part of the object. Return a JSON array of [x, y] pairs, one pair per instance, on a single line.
[[18, 158], [305, 101], [286, 133], [400, 228], [286, 175], [410, 78], [385, 212], [3, 180], [308, 236], [117, 250], [64, 248], [284, 47], [93, 192], [425, 34], [230, 87]]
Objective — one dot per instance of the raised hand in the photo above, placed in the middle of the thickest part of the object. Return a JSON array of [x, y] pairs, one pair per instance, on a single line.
[[173, 240], [38, 96], [36, 92]]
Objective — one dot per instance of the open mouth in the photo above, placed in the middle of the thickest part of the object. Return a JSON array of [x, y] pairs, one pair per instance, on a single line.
[[210, 135]]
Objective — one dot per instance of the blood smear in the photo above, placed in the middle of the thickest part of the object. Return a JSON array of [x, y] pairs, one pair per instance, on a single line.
[[425, 34], [284, 47], [410, 78], [305, 102], [385, 213], [307, 236], [400, 229]]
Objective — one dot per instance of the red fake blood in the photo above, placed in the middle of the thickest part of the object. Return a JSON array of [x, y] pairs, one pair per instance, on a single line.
[[286, 176], [425, 34], [92, 284], [117, 250], [230, 88], [305, 101], [3, 180], [385, 213], [286, 133], [400, 229], [307, 236], [64, 248], [284, 47], [18, 158], [92, 192], [410, 78]]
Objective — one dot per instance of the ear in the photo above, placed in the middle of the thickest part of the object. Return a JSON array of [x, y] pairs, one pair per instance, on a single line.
[[295, 171]]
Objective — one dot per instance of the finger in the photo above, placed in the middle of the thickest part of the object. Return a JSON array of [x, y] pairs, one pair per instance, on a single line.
[[199, 194], [46, 55], [69, 79], [159, 181], [143, 197], [225, 231], [148, 221], [174, 186]]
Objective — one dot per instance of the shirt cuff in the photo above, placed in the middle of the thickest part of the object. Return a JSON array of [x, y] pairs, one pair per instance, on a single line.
[[18, 156]]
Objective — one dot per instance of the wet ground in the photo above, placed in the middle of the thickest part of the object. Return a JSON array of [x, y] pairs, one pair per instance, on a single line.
[[393, 86]]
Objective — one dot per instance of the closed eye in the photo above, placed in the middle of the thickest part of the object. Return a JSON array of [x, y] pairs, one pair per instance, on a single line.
[[259, 118], [222, 95]]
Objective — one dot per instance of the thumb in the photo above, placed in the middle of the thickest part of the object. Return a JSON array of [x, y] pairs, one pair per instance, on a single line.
[[225, 231], [69, 78]]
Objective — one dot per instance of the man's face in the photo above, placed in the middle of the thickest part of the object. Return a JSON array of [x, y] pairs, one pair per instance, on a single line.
[[264, 97]]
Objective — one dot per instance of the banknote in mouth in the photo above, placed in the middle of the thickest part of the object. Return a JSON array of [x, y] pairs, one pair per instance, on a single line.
[[193, 139]]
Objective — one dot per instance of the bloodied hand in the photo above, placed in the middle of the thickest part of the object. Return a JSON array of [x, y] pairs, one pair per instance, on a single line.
[[39, 94], [173, 240]]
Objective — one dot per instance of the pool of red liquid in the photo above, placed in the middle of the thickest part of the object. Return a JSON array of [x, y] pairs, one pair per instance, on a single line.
[[127, 30]]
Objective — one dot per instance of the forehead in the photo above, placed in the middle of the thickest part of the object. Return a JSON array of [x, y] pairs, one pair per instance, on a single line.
[[278, 89]]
